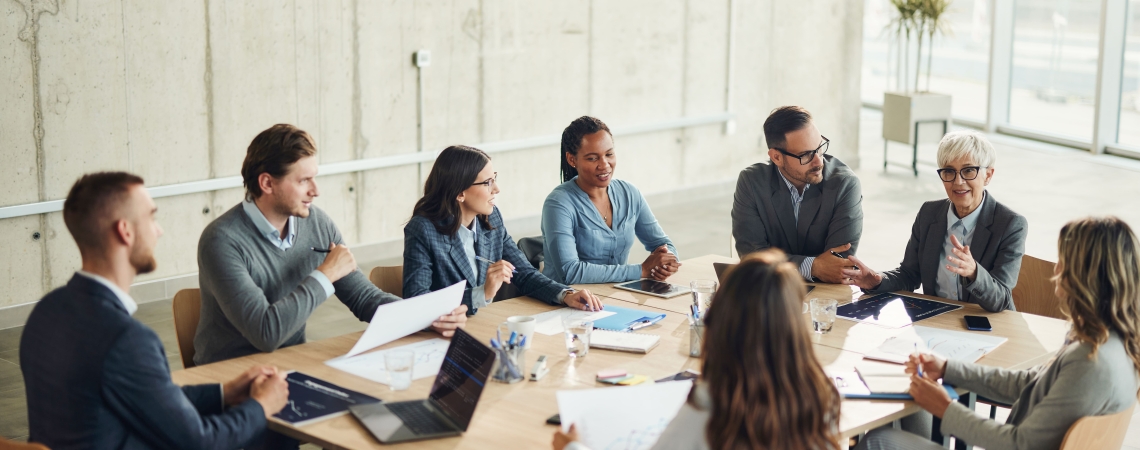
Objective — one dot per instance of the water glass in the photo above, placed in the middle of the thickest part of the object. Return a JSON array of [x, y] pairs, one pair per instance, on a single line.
[[696, 338], [703, 291], [577, 336], [823, 314], [399, 364]]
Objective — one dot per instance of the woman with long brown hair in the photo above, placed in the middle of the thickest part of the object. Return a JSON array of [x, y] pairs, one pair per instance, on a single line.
[[1097, 279], [761, 386]]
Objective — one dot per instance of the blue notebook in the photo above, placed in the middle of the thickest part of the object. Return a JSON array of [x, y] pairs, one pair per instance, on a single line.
[[904, 396], [627, 319]]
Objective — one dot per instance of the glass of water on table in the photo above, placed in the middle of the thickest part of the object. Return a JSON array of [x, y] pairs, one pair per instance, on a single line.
[[823, 314], [399, 365], [703, 291], [577, 332]]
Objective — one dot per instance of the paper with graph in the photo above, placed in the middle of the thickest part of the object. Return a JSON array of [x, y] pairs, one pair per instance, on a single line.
[[957, 345], [429, 357], [622, 418]]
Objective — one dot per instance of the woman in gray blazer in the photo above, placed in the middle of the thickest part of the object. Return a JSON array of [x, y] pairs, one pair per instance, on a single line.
[[967, 247], [1098, 282], [761, 385]]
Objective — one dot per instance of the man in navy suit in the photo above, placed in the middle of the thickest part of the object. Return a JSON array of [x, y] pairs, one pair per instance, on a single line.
[[96, 377]]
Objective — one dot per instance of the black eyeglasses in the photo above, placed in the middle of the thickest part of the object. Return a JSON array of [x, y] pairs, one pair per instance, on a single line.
[[807, 157], [968, 173], [490, 181]]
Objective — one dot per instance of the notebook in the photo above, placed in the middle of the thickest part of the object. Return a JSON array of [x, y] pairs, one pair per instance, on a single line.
[[623, 341], [627, 319], [313, 399], [949, 344], [878, 381]]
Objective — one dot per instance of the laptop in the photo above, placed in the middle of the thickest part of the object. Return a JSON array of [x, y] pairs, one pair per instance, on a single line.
[[723, 268], [448, 409]]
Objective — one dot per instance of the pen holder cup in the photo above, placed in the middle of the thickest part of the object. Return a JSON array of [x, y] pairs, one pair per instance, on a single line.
[[696, 338], [510, 366]]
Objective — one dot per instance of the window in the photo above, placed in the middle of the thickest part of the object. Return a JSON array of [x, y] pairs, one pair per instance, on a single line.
[[1129, 133]]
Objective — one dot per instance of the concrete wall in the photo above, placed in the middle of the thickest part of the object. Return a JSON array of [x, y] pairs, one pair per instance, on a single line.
[[175, 90]]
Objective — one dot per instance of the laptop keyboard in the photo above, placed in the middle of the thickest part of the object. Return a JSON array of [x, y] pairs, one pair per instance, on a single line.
[[417, 417]]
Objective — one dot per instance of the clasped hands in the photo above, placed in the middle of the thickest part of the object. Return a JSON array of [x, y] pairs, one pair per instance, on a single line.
[[660, 264]]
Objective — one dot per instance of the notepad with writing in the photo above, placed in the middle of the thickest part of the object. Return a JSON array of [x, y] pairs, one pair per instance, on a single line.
[[623, 341]]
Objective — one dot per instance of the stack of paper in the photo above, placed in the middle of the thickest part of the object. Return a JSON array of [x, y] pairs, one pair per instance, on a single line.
[[622, 417], [623, 341], [948, 344]]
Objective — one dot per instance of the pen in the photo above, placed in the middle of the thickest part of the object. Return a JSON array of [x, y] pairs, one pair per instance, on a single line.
[[837, 255], [320, 250], [918, 365], [511, 341], [491, 262]]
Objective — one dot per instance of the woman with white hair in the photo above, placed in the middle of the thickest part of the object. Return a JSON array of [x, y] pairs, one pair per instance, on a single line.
[[967, 247]]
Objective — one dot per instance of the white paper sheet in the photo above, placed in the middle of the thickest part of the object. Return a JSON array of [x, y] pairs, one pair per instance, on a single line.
[[629, 418], [948, 344], [429, 357], [550, 322], [398, 319]]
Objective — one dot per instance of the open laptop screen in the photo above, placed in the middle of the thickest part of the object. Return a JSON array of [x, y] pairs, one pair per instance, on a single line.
[[461, 378]]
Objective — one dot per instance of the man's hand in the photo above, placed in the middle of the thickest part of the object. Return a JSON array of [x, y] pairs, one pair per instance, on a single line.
[[272, 391], [962, 261], [929, 395], [583, 300], [338, 263], [861, 275], [828, 268], [660, 264], [497, 274], [236, 390], [561, 440], [446, 325]]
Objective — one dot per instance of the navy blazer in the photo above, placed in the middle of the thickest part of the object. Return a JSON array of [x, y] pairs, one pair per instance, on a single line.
[[96, 378], [433, 261]]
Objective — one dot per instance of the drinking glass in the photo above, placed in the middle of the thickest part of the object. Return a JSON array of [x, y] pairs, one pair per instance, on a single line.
[[703, 291], [399, 364], [823, 314], [577, 336]]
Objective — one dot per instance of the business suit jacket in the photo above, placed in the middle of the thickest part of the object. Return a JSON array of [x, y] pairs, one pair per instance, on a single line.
[[997, 246], [433, 261], [98, 379], [831, 213]]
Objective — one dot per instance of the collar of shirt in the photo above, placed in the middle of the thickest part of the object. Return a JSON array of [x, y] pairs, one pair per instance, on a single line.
[[796, 194], [472, 233], [267, 229], [124, 298], [968, 222]]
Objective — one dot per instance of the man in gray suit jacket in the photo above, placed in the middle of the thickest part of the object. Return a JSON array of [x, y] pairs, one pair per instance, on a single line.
[[803, 201]]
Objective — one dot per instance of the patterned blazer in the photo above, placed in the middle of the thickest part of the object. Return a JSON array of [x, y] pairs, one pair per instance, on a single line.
[[433, 261]]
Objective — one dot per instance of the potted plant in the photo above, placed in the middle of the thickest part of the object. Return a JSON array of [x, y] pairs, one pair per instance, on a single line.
[[908, 105]]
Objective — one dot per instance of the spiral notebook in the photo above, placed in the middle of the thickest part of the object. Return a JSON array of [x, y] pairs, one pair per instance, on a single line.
[[623, 341]]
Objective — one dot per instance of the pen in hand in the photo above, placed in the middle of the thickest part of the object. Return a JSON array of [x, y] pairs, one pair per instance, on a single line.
[[491, 262], [320, 250], [918, 365]]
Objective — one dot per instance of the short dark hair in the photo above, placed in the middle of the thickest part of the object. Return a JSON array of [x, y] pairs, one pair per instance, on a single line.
[[90, 207], [454, 171], [572, 141], [272, 152], [784, 120]]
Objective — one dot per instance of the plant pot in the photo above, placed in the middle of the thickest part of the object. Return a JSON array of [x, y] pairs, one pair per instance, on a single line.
[[901, 110]]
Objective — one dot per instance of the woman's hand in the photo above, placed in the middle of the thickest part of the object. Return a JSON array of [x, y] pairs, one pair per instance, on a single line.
[[660, 264], [583, 300], [962, 261], [561, 440], [861, 275], [933, 367], [929, 395], [497, 274]]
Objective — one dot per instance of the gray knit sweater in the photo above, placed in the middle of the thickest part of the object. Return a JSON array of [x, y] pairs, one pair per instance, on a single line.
[[257, 297]]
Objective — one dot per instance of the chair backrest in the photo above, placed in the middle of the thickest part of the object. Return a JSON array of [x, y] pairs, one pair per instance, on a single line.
[[1098, 431], [14, 445], [187, 311], [532, 248], [1034, 291], [389, 279]]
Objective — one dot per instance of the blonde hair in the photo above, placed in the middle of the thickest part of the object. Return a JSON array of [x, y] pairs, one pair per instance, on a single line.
[[964, 144], [1099, 282]]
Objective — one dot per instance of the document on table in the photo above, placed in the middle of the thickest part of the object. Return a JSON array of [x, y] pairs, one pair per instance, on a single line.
[[428, 359], [948, 344], [630, 417], [550, 322], [398, 319]]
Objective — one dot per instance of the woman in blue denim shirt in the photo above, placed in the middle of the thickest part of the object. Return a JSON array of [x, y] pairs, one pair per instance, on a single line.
[[590, 220]]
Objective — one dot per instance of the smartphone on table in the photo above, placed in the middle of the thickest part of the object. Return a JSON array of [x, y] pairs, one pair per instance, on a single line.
[[978, 323]]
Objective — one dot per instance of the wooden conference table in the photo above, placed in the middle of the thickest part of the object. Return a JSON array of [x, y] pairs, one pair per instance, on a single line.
[[516, 413]]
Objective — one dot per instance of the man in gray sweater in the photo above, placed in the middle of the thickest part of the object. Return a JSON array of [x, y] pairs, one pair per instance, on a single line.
[[267, 263]]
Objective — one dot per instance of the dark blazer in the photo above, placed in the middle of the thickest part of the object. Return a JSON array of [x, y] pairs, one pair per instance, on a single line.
[[831, 213], [98, 379], [433, 261], [997, 246]]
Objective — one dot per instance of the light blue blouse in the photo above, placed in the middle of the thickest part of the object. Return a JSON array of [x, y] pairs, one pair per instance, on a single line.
[[581, 249]]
